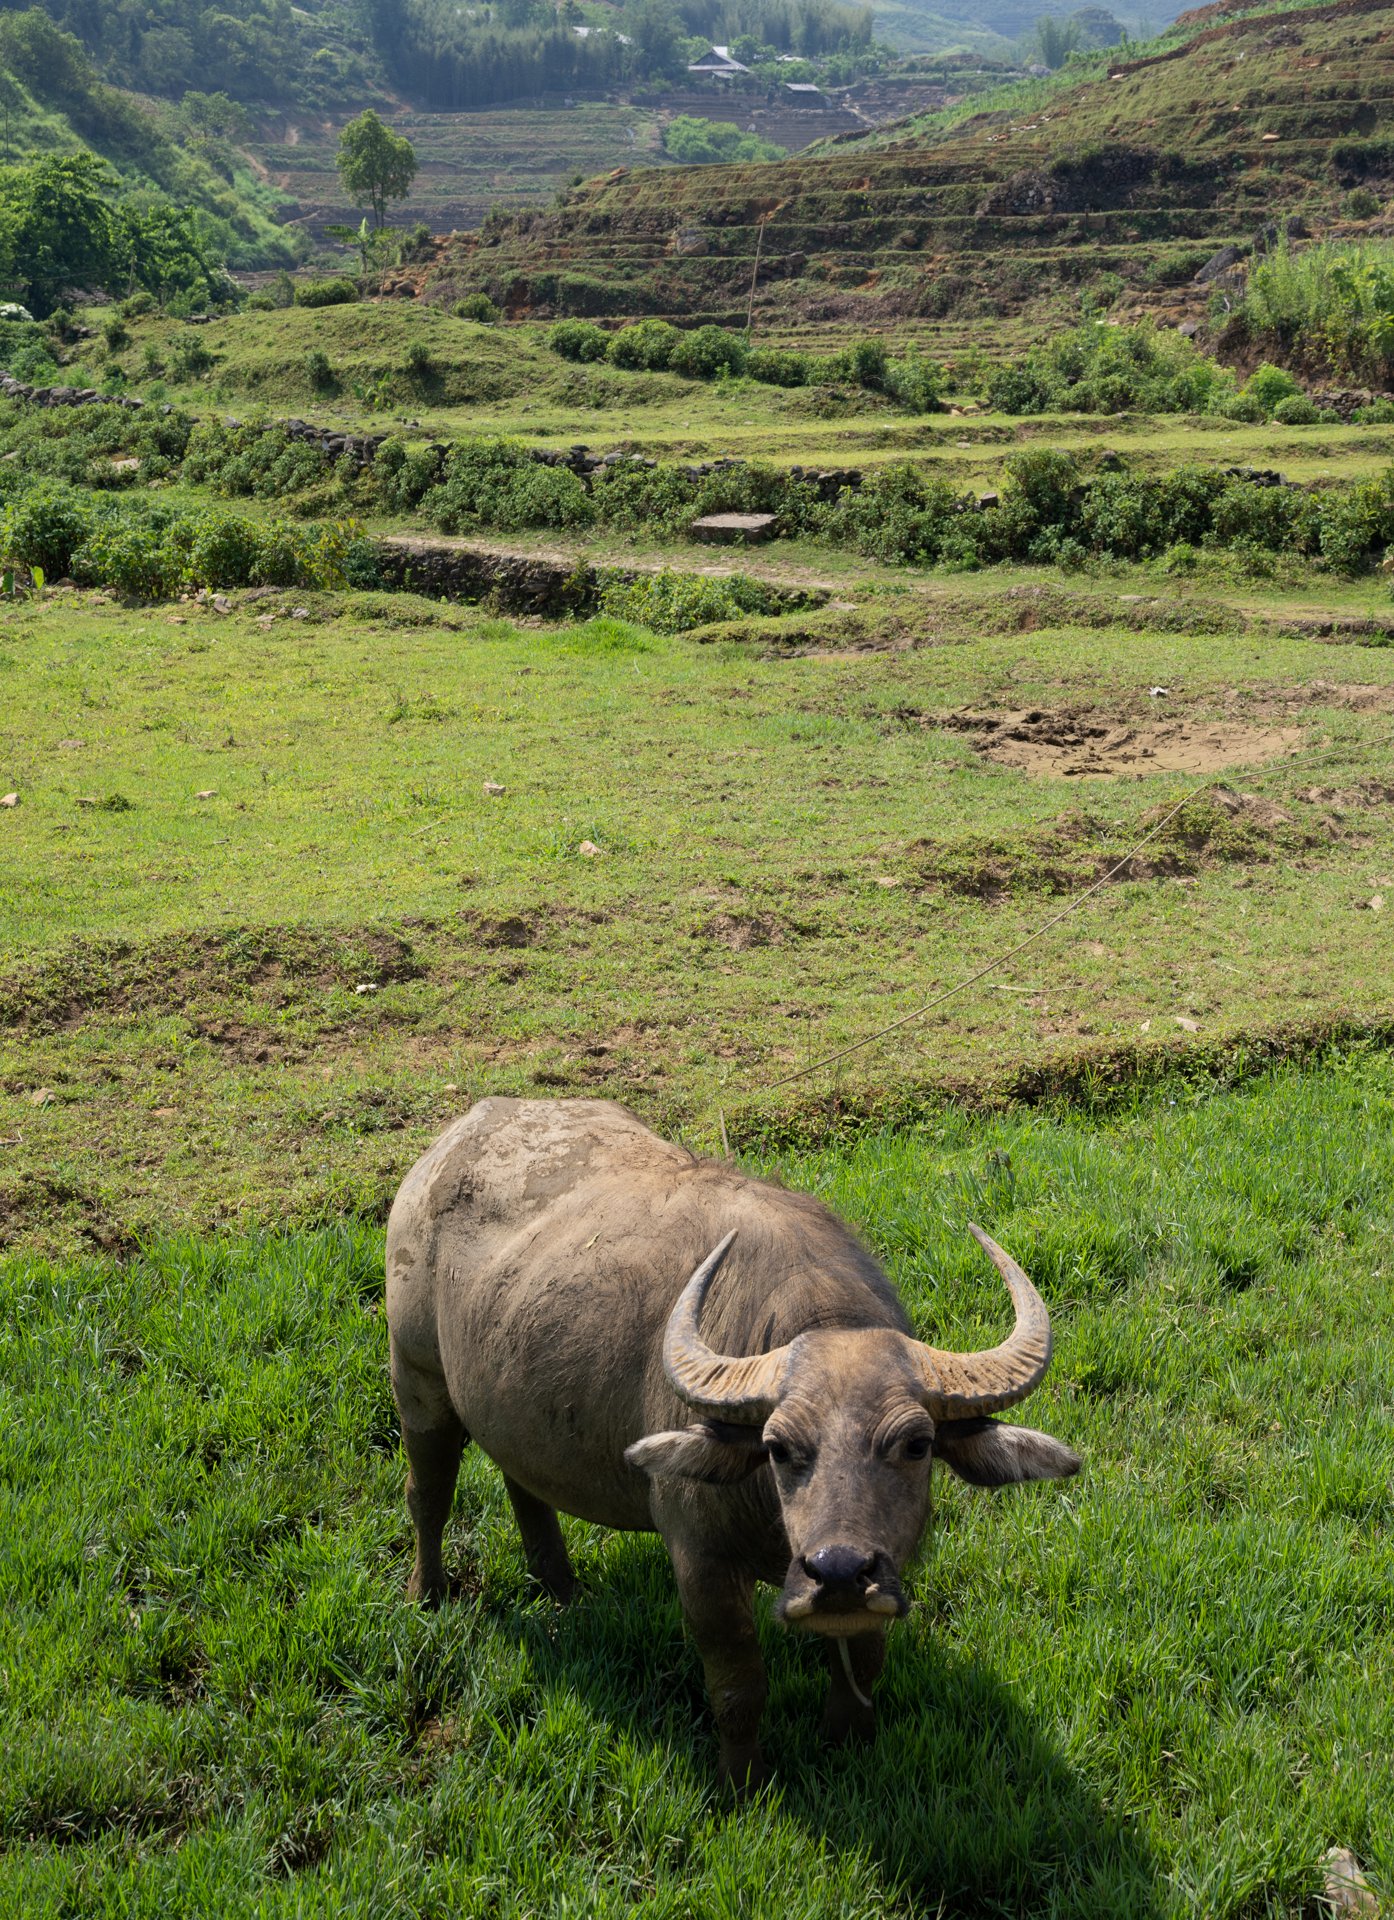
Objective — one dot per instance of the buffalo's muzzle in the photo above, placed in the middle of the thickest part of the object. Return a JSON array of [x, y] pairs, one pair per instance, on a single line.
[[841, 1589]]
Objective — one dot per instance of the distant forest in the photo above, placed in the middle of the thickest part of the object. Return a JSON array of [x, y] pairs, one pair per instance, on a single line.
[[441, 54]]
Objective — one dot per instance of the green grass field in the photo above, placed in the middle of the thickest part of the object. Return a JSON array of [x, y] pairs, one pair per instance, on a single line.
[[289, 878], [1164, 1690]]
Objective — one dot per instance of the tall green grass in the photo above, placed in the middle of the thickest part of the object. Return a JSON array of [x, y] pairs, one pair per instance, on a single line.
[[1333, 301], [1161, 1691]]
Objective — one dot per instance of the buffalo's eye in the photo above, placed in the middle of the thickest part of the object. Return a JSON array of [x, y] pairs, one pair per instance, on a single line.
[[917, 1448], [779, 1453]]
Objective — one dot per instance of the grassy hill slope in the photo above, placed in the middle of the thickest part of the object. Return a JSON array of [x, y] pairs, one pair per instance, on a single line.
[[1129, 176]]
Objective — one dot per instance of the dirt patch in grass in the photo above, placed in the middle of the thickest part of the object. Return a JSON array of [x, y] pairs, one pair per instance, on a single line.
[[741, 931], [1081, 743]]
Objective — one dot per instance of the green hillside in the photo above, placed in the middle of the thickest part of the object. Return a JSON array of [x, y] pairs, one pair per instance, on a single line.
[[54, 103], [1116, 180]]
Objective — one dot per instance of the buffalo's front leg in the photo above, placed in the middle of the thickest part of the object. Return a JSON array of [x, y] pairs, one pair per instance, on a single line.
[[719, 1603], [855, 1664], [548, 1561]]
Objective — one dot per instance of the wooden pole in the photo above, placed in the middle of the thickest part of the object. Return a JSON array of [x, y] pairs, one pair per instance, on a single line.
[[755, 275]]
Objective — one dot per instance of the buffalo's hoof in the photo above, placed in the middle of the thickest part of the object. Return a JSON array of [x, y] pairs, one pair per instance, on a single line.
[[848, 1723], [427, 1593], [744, 1774]]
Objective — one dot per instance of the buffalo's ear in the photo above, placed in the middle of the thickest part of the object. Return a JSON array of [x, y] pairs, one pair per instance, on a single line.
[[987, 1454], [715, 1454]]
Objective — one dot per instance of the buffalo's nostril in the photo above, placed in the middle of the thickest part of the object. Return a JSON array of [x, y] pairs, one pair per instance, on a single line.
[[834, 1567]]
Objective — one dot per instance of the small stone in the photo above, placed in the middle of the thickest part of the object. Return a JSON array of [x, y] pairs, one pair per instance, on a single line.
[[221, 603], [9, 800], [163, 1113], [1377, 903], [205, 793], [1345, 1888], [588, 849], [366, 986], [492, 788], [41, 1097]]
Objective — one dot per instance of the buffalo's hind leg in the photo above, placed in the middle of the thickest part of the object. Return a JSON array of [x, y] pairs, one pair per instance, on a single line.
[[548, 1561], [433, 1456]]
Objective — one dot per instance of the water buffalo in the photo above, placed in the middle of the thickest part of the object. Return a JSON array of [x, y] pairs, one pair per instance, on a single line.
[[773, 1417]]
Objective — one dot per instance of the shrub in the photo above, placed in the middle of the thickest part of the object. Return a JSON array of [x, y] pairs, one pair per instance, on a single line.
[[707, 352], [418, 359], [1268, 385], [477, 306], [115, 332], [45, 525], [321, 375], [1247, 408], [916, 384], [336, 292], [137, 560], [1296, 410], [676, 602], [647, 345], [1361, 204], [578, 340], [261, 303], [777, 368]]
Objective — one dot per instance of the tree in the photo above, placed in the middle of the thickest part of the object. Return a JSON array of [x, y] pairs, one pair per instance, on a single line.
[[57, 229], [375, 164], [1057, 40]]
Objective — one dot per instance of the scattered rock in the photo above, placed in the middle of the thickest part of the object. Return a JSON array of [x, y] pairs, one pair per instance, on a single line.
[[493, 788], [1185, 1022], [205, 793], [1345, 1888], [366, 986], [41, 1097], [9, 800], [588, 850]]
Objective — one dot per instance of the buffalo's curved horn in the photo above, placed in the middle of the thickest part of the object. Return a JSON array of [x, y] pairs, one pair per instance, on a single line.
[[960, 1385], [741, 1390]]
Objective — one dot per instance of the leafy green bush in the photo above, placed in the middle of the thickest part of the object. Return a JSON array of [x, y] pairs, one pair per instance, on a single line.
[[321, 375], [916, 383], [1296, 410], [477, 306], [777, 368], [707, 352], [45, 525], [648, 345], [336, 292], [494, 483], [1099, 368], [1268, 385], [578, 340], [676, 602]]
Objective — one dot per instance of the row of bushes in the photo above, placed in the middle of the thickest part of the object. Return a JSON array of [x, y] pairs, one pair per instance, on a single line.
[[1054, 506], [1053, 512], [154, 552], [711, 353]]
